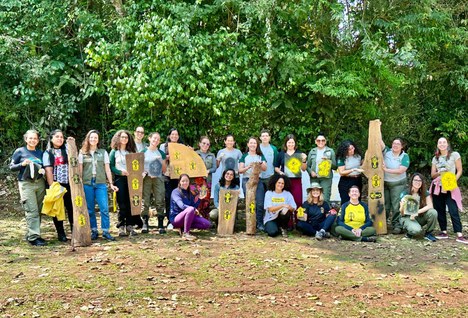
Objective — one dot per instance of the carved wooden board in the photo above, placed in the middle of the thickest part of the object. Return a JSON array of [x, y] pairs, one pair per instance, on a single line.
[[81, 229], [227, 211], [374, 172], [251, 189], [135, 166], [185, 160]]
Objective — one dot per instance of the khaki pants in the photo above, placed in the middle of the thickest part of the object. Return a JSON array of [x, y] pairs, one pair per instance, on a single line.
[[32, 195], [415, 227], [156, 187]]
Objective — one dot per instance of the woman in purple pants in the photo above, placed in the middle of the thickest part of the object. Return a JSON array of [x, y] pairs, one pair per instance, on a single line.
[[184, 213]]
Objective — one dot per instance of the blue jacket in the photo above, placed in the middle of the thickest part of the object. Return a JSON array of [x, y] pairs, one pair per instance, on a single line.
[[180, 200]]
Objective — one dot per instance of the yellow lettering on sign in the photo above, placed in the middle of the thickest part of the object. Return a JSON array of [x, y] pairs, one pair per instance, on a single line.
[[177, 155], [136, 200], [193, 166], [227, 215], [135, 165], [81, 220], [252, 208], [449, 181], [374, 162], [277, 200], [376, 181], [294, 165], [135, 184], [79, 201], [227, 197], [324, 168], [178, 170]]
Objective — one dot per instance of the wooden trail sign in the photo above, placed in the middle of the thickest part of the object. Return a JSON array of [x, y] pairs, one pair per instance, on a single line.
[[135, 166], [373, 170], [250, 205], [81, 235], [227, 211], [184, 159]]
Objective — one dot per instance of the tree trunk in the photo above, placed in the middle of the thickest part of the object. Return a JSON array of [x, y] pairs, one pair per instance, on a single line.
[[251, 189]]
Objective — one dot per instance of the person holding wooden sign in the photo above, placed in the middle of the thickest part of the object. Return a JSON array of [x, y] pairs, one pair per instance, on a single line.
[[228, 181], [349, 167], [317, 217], [95, 169], [253, 154], [354, 221], [204, 183], [279, 205], [446, 170], [396, 162], [28, 161], [184, 209], [321, 162], [153, 182], [122, 144], [415, 215]]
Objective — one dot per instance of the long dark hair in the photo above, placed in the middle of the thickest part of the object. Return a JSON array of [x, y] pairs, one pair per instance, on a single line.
[[342, 152], [168, 139], [274, 178], [437, 153], [62, 148], [234, 182], [115, 142], [289, 137], [421, 191]]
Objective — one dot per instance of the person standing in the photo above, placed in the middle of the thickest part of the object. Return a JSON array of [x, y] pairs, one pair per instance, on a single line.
[[229, 156], [201, 183], [27, 161], [349, 168], [139, 135]]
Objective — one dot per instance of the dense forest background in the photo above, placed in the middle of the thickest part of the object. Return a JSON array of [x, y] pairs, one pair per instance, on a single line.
[[211, 67]]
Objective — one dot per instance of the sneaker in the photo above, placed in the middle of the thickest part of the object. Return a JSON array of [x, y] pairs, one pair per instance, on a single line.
[[107, 236], [442, 236], [38, 242], [461, 239], [131, 231], [144, 229], [319, 235], [122, 231], [94, 235], [284, 232], [396, 230], [188, 237], [326, 234], [62, 237], [430, 237], [170, 226], [162, 230], [260, 228], [371, 239]]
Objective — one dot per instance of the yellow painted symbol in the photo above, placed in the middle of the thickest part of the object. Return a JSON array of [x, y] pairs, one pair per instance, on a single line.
[[252, 208], [449, 181], [203, 191], [324, 168], [227, 215], [76, 178], [79, 201], [81, 220], [374, 162], [178, 170], [135, 184], [136, 200], [193, 165], [380, 224], [376, 181], [300, 212], [135, 165], [74, 161], [376, 195], [227, 197], [177, 155], [294, 165]]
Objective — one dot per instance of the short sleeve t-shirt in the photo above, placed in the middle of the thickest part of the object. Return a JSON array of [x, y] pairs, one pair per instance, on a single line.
[[447, 163], [229, 159], [392, 162], [60, 167], [154, 162], [273, 199], [269, 154], [351, 163], [247, 159]]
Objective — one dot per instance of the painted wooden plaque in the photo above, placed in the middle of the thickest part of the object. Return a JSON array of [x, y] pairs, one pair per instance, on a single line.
[[135, 166], [81, 235], [184, 159], [251, 189], [227, 211], [373, 170]]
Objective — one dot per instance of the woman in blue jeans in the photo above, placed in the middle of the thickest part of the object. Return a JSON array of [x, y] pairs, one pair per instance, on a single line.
[[95, 169], [317, 218]]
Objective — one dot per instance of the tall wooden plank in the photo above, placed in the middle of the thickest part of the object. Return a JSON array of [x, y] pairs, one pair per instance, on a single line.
[[227, 211], [251, 189], [373, 169], [135, 166], [81, 228]]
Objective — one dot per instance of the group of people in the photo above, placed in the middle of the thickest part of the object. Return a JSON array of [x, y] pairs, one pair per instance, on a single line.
[[279, 206]]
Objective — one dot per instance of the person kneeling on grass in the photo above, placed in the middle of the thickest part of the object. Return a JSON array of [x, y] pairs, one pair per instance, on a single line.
[[424, 213], [354, 222], [184, 213], [317, 217]]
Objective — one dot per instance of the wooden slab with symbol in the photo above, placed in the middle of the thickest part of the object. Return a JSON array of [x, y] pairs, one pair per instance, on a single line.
[[227, 211], [135, 166], [81, 235], [184, 159], [373, 169], [251, 189]]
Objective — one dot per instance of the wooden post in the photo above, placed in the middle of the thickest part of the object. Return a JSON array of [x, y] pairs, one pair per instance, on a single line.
[[227, 211], [135, 167], [251, 189], [373, 170], [81, 235]]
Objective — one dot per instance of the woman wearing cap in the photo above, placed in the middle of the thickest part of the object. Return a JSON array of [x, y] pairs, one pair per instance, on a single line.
[[320, 163], [279, 206], [349, 168], [317, 217], [354, 222]]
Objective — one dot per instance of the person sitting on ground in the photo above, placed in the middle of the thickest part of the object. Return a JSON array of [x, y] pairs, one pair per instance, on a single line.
[[228, 181], [354, 221], [424, 214], [279, 205], [317, 217]]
